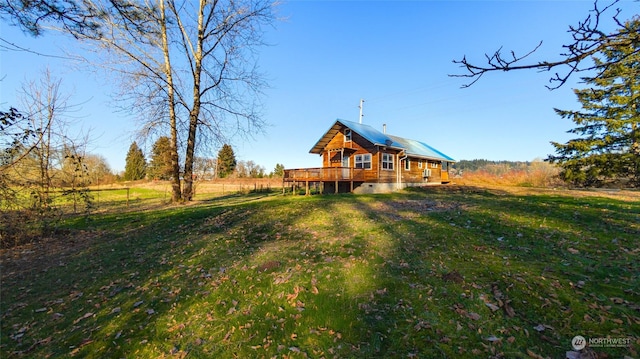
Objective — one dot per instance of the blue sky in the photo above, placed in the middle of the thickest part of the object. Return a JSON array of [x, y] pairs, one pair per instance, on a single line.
[[396, 55]]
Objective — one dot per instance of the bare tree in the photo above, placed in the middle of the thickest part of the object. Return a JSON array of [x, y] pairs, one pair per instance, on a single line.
[[219, 46], [47, 106], [588, 39], [34, 162], [189, 69]]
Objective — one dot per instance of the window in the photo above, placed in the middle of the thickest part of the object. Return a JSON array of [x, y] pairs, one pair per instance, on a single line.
[[387, 161], [363, 161], [420, 164], [407, 164], [434, 165], [347, 135]]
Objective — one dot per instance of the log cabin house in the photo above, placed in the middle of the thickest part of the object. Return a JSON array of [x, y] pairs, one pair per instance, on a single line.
[[358, 158]]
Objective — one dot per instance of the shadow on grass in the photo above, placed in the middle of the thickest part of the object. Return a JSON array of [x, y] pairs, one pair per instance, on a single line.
[[406, 274]]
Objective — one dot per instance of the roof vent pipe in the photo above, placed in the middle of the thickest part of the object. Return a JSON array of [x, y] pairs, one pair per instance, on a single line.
[[384, 128]]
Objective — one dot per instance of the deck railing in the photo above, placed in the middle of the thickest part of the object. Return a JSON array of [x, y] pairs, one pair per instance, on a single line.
[[321, 174]]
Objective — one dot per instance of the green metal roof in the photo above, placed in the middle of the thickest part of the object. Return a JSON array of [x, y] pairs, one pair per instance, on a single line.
[[412, 148]]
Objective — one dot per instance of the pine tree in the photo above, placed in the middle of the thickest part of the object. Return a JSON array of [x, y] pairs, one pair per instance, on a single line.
[[608, 149], [160, 165], [226, 161], [136, 165], [278, 171]]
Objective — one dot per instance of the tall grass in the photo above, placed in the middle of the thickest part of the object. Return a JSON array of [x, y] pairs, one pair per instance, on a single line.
[[537, 174]]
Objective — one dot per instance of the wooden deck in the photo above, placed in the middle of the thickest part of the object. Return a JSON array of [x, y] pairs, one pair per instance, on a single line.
[[324, 174], [339, 179]]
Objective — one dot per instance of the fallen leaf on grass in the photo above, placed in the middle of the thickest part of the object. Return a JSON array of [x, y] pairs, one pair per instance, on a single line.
[[422, 325], [176, 327], [509, 310], [85, 316], [550, 340], [534, 355], [473, 316], [76, 350]]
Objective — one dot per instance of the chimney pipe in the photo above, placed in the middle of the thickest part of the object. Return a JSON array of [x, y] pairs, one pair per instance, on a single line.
[[384, 128]]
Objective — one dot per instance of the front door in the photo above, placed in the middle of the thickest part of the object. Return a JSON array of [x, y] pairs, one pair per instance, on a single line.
[[345, 167]]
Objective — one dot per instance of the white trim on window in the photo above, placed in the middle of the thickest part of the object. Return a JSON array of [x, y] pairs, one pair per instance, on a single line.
[[407, 164], [387, 161], [363, 161]]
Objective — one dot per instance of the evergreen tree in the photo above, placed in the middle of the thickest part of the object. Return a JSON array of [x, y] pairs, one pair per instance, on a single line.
[[136, 165], [278, 171], [608, 148], [226, 161], [160, 165]]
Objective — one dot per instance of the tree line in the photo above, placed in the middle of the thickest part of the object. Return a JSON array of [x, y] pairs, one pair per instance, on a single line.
[[159, 166]]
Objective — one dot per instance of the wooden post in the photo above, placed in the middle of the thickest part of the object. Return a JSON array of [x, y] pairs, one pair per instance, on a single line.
[[306, 188], [336, 191]]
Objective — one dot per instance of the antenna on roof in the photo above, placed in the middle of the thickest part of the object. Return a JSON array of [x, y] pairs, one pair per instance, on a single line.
[[361, 103]]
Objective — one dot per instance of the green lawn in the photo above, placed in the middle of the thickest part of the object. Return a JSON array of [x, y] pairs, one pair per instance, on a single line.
[[443, 272]]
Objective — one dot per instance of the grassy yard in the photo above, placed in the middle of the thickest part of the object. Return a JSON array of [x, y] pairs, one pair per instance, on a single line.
[[441, 272]]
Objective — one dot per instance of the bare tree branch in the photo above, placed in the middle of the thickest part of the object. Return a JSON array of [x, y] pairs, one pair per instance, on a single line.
[[588, 40]]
